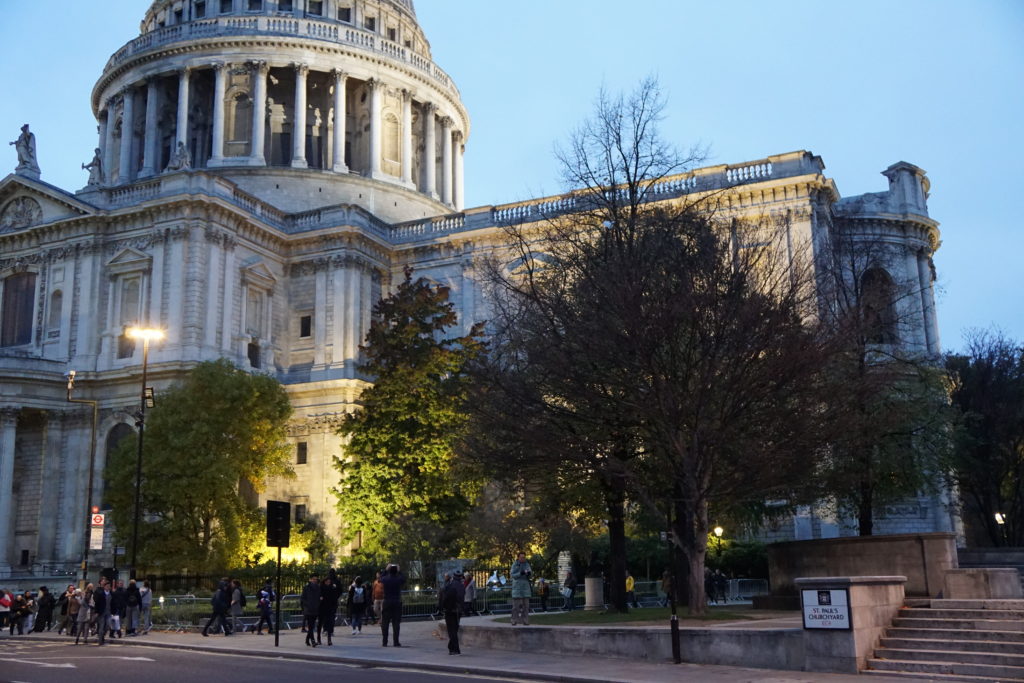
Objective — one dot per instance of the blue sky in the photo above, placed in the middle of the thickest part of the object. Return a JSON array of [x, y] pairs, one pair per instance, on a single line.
[[862, 83]]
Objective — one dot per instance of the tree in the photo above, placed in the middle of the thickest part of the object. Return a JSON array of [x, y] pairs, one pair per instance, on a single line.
[[650, 349], [988, 464], [401, 485], [887, 399], [211, 439]]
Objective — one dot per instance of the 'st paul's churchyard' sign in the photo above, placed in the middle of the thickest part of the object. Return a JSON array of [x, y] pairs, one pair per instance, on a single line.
[[826, 608]]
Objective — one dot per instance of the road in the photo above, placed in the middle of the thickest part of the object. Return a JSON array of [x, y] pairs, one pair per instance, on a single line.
[[23, 661]]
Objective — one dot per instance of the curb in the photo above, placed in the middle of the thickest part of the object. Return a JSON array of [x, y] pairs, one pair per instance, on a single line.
[[353, 661]]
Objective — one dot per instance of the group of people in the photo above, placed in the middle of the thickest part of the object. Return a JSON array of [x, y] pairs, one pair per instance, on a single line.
[[111, 609], [320, 600]]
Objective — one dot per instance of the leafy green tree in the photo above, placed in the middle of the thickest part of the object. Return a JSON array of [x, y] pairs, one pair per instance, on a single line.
[[402, 487], [988, 464], [211, 440]]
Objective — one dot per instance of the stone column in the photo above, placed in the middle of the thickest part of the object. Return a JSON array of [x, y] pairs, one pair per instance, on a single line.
[[460, 178], [182, 136], [124, 173], [259, 112], [375, 87], [931, 327], [8, 432], [299, 118], [446, 160], [149, 145], [430, 150], [340, 116], [219, 87], [108, 141], [407, 138]]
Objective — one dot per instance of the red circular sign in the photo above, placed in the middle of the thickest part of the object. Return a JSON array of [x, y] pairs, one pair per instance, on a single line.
[[97, 520]]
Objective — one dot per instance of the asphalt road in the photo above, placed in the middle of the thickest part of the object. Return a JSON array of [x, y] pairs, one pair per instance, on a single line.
[[22, 661]]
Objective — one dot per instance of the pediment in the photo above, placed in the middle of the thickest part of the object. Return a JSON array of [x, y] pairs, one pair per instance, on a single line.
[[259, 274], [128, 261], [26, 203]]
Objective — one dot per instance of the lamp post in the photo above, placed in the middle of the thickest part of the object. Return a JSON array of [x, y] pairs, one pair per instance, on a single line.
[[146, 400], [718, 535], [92, 466], [1001, 522]]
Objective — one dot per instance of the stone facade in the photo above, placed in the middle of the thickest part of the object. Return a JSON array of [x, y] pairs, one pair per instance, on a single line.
[[265, 171]]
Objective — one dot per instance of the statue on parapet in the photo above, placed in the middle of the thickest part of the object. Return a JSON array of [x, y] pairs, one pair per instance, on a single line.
[[181, 160], [26, 148], [95, 169]]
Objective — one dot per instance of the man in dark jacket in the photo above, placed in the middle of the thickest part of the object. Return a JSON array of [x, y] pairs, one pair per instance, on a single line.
[[118, 606], [132, 599], [451, 601], [46, 602], [101, 608], [219, 602], [391, 610], [310, 601]]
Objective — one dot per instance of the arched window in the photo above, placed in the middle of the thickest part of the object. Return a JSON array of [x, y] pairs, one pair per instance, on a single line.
[[16, 311], [54, 315], [878, 307], [130, 307]]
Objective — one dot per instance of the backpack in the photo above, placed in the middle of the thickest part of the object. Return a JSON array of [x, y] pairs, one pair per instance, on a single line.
[[242, 601], [358, 595]]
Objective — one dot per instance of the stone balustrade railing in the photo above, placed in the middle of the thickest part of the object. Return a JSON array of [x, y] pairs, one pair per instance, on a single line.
[[282, 26]]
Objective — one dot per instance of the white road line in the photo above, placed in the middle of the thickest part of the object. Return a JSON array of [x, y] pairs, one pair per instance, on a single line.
[[47, 665]]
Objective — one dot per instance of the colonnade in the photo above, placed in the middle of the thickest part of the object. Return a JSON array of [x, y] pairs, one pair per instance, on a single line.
[[449, 188]]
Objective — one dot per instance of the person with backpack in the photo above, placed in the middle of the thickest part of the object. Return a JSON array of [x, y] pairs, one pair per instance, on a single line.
[[265, 604], [132, 599], [357, 601], [237, 606], [220, 602]]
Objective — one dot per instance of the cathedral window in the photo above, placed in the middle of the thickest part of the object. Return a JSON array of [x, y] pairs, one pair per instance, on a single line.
[[315, 8], [370, 23], [54, 315], [345, 14], [253, 353], [285, 6], [393, 34], [129, 304], [300, 514], [305, 326], [199, 10], [301, 453], [878, 307], [255, 5], [18, 304], [238, 122], [179, 16], [226, 6]]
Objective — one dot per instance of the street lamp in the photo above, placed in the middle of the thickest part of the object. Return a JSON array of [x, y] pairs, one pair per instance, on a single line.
[[146, 334], [718, 534], [92, 466], [1001, 521]]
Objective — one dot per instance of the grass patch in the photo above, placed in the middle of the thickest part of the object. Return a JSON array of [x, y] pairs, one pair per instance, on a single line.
[[646, 614]]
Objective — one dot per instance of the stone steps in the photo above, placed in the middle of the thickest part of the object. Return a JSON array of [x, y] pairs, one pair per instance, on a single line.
[[962, 640]]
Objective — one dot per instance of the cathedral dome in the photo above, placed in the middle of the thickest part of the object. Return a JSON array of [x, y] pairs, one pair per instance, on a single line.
[[275, 93]]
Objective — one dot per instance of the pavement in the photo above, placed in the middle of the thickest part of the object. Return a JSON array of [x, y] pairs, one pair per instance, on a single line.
[[424, 649]]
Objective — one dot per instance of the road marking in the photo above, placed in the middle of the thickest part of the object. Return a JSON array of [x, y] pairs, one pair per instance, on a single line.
[[46, 665]]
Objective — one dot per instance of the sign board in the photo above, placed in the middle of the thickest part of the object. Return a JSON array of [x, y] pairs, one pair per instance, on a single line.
[[98, 518], [96, 538], [826, 609]]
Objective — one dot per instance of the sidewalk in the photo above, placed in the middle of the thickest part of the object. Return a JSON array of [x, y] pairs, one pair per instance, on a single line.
[[423, 649]]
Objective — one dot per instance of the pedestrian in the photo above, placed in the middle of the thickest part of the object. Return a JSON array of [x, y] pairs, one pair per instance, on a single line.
[[470, 596], [543, 591], [454, 595], [330, 593], [631, 590], [32, 606], [19, 612], [569, 591], [265, 604], [721, 586], [69, 623], [310, 602], [5, 609], [220, 602], [666, 587], [356, 603], [132, 600], [101, 601], [439, 614], [118, 608], [391, 609], [521, 589], [145, 608], [378, 596], [63, 604], [83, 621], [237, 605], [46, 604]]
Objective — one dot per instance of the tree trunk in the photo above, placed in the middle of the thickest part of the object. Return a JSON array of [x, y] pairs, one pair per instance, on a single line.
[[615, 499], [865, 508], [692, 535]]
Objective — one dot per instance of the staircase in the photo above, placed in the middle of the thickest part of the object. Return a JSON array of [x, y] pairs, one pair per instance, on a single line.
[[954, 640]]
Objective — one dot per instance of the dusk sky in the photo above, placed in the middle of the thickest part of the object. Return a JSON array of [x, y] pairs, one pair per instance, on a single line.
[[863, 84]]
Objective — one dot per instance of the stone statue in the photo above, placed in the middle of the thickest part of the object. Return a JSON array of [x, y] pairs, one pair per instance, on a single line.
[[26, 147], [95, 168], [181, 161]]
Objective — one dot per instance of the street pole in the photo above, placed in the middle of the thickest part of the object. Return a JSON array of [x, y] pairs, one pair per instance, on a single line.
[[92, 466], [145, 335], [277, 618], [677, 656]]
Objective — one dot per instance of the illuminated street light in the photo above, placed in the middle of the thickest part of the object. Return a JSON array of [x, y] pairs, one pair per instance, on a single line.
[[718, 534], [146, 334], [92, 466]]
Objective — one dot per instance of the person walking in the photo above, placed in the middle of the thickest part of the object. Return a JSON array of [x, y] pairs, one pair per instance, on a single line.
[[118, 609], [310, 602], [469, 597], [83, 620], [378, 596], [265, 604], [132, 599], [237, 605], [330, 593], [101, 609], [543, 591], [19, 613], [145, 608], [220, 602], [63, 605], [452, 599], [521, 574], [46, 605], [631, 590], [74, 605], [569, 591], [356, 603], [391, 609], [5, 608]]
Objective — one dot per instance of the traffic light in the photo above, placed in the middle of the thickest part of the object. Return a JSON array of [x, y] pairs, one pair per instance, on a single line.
[[279, 523]]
